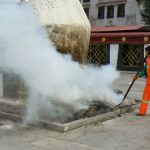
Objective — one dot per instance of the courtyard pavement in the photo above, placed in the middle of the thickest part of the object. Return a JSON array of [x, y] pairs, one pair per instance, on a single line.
[[128, 132]]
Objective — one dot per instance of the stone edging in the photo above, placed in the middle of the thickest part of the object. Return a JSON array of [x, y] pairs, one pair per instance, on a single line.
[[74, 124]]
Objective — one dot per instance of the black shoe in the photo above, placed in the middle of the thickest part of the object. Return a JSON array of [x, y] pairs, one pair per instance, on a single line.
[[140, 114], [137, 100]]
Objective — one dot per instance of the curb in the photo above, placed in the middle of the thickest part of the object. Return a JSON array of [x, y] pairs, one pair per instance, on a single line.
[[60, 127]]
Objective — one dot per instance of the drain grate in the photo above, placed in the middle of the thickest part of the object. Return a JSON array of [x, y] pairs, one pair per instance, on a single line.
[[95, 109]]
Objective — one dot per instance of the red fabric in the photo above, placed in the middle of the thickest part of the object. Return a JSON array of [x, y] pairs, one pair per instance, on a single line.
[[143, 108], [148, 71], [146, 93], [146, 96]]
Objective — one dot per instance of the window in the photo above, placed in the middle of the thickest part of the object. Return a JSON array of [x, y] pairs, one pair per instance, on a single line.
[[110, 11], [99, 54], [87, 11], [86, 1], [130, 57], [121, 10], [101, 11]]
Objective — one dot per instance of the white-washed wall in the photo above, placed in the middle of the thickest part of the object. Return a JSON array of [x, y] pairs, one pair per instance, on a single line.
[[114, 49], [1, 84], [132, 15], [67, 25]]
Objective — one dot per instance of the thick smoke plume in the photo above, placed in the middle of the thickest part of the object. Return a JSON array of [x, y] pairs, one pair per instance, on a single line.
[[54, 81]]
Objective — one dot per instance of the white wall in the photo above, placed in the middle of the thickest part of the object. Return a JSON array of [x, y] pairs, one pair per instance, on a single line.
[[1, 84], [132, 16], [114, 49]]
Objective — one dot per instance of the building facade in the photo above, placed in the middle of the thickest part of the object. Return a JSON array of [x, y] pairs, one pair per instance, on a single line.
[[113, 12], [118, 34]]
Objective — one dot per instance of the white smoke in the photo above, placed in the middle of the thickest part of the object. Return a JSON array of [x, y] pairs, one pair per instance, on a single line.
[[51, 78]]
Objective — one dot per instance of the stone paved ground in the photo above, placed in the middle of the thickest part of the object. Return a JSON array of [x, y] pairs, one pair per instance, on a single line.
[[127, 132]]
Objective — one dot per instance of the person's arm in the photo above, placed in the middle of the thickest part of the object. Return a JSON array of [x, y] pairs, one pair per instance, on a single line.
[[140, 74], [143, 72]]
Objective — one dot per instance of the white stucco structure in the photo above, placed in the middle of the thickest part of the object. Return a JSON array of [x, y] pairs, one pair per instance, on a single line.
[[60, 12], [67, 25]]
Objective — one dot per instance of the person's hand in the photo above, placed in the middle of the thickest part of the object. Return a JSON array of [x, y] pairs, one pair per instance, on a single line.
[[135, 77]]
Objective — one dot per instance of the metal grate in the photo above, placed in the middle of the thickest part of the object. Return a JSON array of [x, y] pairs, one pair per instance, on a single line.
[[131, 55], [98, 54]]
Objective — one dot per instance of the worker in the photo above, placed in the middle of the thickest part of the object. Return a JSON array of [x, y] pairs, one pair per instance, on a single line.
[[146, 93]]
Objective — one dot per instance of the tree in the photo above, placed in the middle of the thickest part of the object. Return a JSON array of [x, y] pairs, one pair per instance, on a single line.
[[145, 13]]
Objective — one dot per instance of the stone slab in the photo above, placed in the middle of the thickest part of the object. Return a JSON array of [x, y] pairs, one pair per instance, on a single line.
[[14, 106]]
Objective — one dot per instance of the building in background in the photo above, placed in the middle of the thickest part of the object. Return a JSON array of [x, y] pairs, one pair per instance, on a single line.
[[113, 12], [118, 35]]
